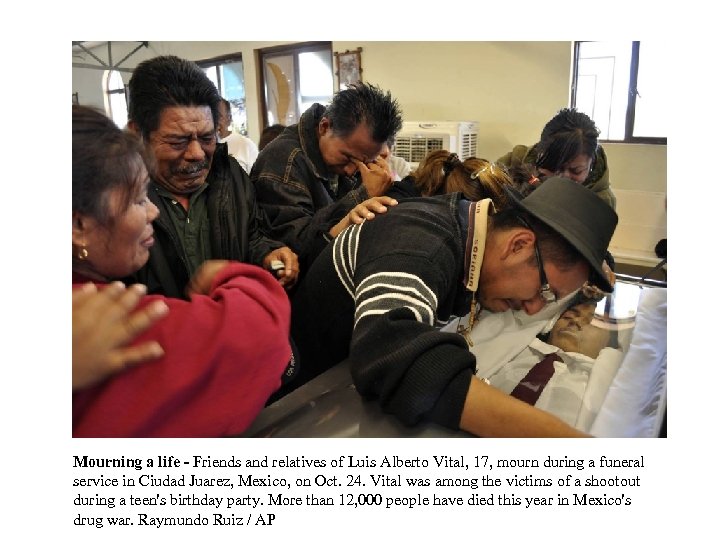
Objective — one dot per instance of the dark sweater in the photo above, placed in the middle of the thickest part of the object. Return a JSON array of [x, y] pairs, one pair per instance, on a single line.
[[404, 188], [376, 298]]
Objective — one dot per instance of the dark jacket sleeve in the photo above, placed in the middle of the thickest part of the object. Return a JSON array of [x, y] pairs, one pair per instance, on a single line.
[[404, 189], [299, 210], [416, 371], [517, 156], [260, 241], [250, 222], [599, 179]]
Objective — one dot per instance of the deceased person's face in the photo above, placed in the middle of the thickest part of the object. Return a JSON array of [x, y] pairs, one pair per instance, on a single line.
[[574, 331]]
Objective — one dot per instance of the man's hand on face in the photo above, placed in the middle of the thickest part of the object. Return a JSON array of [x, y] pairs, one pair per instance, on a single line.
[[376, 176]]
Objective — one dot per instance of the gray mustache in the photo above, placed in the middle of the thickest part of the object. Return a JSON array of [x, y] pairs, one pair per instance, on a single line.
[[192, 169]]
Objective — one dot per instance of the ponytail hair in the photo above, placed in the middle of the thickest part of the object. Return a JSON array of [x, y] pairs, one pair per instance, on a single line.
[[443, 172]]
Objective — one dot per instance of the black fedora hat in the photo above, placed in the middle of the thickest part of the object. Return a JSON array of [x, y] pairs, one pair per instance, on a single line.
[[579, 216]]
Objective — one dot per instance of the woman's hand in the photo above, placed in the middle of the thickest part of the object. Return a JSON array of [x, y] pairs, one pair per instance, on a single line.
[[102, 324]]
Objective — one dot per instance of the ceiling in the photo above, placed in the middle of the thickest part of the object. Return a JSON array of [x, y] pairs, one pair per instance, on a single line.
[[98, 55]]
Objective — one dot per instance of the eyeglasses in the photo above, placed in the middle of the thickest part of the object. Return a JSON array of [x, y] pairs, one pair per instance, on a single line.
[[545, 292]]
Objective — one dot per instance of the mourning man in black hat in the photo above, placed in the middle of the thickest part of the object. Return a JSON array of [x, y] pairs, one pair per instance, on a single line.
[[377, 294]]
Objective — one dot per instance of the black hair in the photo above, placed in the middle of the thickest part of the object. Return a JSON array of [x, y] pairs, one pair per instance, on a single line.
[[568, 134], [365, 103], [104, 157], [525, 177], [269, 133], [168, 81], [228, 106]]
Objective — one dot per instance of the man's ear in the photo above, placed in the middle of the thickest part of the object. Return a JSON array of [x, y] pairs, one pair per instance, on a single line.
[[517, 244], [324, 126]]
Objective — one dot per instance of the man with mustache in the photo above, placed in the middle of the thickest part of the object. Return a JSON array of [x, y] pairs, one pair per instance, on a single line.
[[566, 374], [207, 202]]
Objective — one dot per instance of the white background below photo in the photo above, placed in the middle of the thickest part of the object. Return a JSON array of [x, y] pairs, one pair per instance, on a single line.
[[376, 490]]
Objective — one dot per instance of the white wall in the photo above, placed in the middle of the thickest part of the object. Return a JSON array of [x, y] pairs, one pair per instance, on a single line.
[[511, 88], [88, 83]]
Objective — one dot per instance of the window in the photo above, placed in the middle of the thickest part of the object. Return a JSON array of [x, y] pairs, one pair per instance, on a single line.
[[620, 85], [227, 74], [294, 77], [115, 98]]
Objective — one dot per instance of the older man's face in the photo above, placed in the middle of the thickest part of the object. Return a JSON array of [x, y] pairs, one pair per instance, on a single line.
[[183, 144]]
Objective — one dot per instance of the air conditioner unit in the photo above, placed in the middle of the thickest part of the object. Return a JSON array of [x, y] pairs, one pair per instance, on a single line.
[[417, 139]]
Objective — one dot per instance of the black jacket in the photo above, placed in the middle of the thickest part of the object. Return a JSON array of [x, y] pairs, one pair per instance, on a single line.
[[297, 192], [238, 230]]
